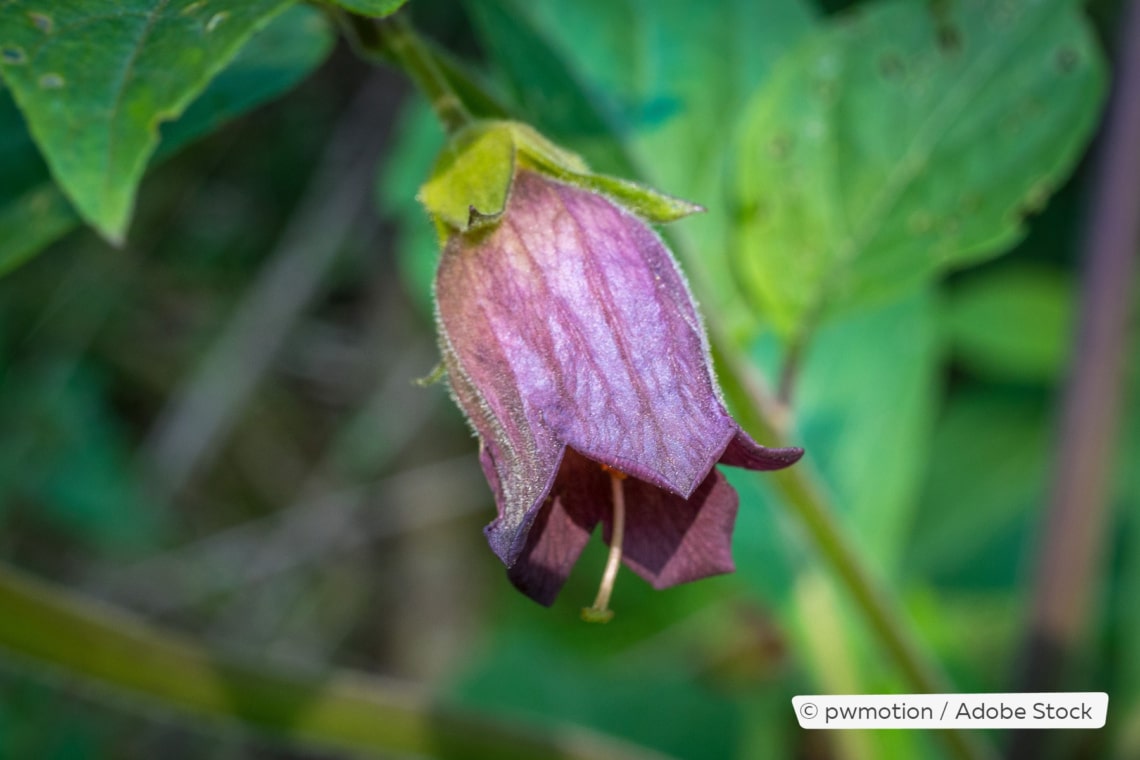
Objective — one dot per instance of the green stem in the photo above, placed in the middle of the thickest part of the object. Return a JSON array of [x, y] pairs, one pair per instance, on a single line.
[[344, 711], [799, 491], [764, 415], [395, 39]]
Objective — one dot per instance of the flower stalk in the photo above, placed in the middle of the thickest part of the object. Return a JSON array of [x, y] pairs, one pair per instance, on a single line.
[[393, 38], [397, 37]]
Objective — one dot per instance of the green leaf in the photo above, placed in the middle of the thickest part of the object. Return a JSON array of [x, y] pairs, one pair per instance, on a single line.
[[989, 462], [33, 211], [272, 62], [544, 85], [863, 410], [672, 76], [667, 78], [602, 693], [95, 80], [974, 633], [906, 139], [864, 405], [1015, 324], [374, 8]]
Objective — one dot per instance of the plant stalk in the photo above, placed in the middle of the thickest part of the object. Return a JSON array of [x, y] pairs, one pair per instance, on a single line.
[[394, 37], [344, 711], [1070, 558], [761, 413]]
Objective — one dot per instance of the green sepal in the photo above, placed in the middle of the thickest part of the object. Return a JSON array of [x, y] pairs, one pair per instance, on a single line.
[[471, 181], [472, 178], [649, 204], [437, 374], [544, 156]]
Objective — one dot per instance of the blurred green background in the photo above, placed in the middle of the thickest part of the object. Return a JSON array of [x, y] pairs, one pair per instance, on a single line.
[[215, 426]]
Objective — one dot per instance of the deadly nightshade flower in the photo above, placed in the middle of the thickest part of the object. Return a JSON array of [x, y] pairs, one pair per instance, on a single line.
[[573, 345]]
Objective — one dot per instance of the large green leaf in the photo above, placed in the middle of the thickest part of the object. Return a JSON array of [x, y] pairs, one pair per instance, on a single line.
[[547, 90], [670, 74], [864, 411], [272, 62], [905, 139], [33, 211], [668, 78], [1014, 324], [96, 78], [976, 634], [525, 673], [987, 479]]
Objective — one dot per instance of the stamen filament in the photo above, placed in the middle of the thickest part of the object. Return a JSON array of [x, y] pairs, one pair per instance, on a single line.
[[600, 611]]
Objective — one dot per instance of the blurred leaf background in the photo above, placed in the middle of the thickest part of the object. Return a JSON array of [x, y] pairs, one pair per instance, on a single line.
[[215, 425]]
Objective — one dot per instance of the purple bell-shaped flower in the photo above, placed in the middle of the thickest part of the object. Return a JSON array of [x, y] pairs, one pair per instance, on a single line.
[[573, 345]]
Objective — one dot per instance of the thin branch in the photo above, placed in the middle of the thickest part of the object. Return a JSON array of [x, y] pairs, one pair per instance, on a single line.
[[797, 486], [1070, 557], [393, 40], [345, 711]]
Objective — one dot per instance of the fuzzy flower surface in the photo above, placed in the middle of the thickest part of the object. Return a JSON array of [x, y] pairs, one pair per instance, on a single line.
[[571, 341]]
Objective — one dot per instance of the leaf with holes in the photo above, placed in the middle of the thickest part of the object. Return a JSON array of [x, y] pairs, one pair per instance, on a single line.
[[903, 140], [667, 78], [669, 74], [95, 79], [34, 212], [272, 62]]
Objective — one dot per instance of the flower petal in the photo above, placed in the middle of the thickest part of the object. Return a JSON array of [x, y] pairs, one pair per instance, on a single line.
[[744, 452], [573, 316], [520, 462], [561, 530], [671, 540], [644, 399]]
